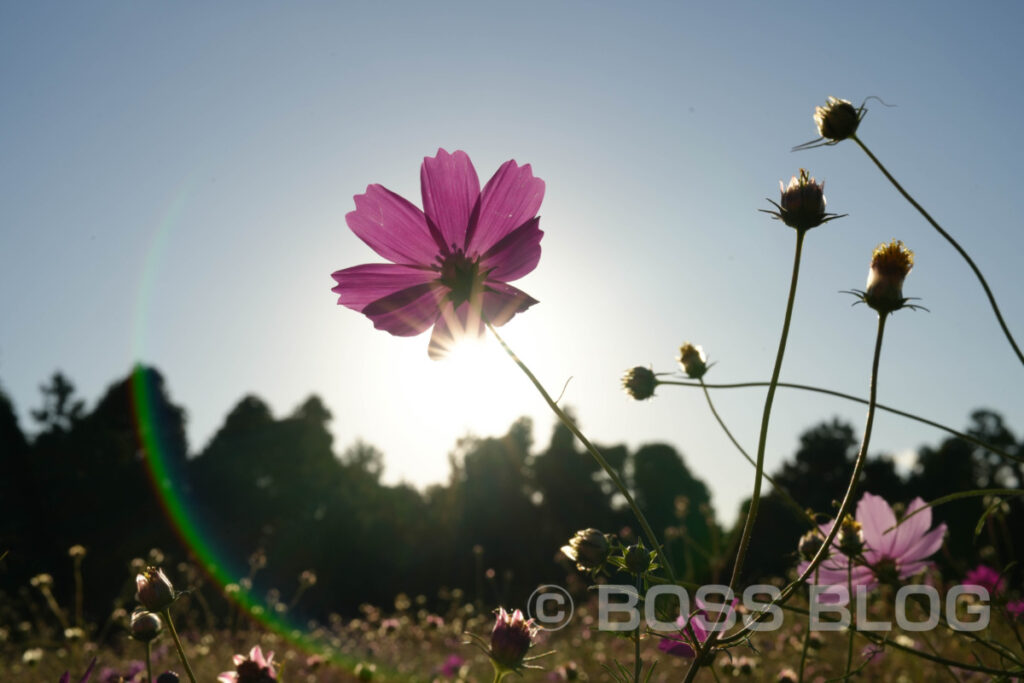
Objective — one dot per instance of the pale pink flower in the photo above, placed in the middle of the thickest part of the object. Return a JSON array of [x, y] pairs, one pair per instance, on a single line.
[[890, 552], [252, 669]]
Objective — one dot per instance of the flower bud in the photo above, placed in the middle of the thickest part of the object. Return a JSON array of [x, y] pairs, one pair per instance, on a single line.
[[810, 544], [145, 626], [76, 552], [588, 548], [639, 383], [692, 360], [510, 639], [364, 671], [167, 677], [837, 120], [155, 591], [890, 265], [637, 559], [851, 537], [802, 203]]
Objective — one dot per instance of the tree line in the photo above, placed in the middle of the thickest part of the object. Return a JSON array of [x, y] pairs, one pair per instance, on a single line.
[[276, 488]]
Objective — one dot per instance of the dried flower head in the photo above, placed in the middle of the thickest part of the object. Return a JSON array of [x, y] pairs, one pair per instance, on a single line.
[[692, 360], [809, 545], [588, 548], [802, 203], [510, 640], [76, 552], [838, 119], [639, 382], [155, 591]]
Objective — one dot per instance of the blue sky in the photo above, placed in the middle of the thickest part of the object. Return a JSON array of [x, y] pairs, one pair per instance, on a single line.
[[176, 177]]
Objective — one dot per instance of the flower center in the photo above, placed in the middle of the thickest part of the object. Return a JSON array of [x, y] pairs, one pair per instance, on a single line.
[[887, 571], [461, 275]]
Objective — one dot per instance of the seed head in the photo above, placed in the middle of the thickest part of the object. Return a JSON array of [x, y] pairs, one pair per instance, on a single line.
[[802, 203], [837, 120], [639, 382], [692, 360], [810, 544]]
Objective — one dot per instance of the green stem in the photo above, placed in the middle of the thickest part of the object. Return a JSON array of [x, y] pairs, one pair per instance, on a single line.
[[953, 242], [149, 661], [79, 592], [596, 454], [856, 399], [636, 639], [801, 512], [807, 640], [755, 499], [853, 618], [847, 504], [177, 644]]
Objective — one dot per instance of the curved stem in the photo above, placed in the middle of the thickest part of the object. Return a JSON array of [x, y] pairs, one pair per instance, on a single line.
[[177, 644], [856, 399], [782, 491], [847, 504], [596, 454], [953, 242], [755, 498]]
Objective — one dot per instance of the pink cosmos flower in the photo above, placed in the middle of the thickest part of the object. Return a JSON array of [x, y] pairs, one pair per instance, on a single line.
[[986, 577], [450, 262], [682, 644], [889, 553], [252, 669]]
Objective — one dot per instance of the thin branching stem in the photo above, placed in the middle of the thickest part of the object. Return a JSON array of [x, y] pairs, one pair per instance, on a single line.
[[847, 504], [594, 452], [953, 242], [801, 512], [849, 397], [755, 498]]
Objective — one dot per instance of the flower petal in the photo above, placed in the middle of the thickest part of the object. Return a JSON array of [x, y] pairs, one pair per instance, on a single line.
[[674, 645], [511, 197], [359, 286], [876, 517], [516, 254], [407, 312], [910, 532], [453, 326], [393, 227], [450, 191], [501, 302], [925, 546]]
